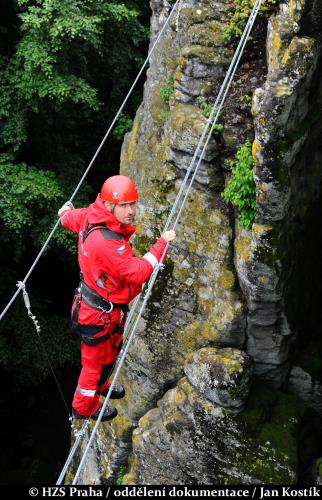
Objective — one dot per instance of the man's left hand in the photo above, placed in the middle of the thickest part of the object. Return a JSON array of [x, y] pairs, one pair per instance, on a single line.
[[67, 206]]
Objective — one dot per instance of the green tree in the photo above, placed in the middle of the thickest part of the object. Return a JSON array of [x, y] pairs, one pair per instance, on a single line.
[[65, 66], [72, 63]]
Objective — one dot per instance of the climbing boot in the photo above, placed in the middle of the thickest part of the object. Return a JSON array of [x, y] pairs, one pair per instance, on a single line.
[[118, 392], [109, 413]]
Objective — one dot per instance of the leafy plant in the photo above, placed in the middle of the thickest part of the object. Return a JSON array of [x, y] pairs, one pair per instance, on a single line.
[[239, 15], [166, 92], [124, 124], [241, 189], [246, 100], [206, 109], [66, 53], [25, 356], [27, 198], [120, 475]]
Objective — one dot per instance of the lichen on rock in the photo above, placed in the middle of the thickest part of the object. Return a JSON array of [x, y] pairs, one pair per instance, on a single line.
[[190, 440], [221, 284]]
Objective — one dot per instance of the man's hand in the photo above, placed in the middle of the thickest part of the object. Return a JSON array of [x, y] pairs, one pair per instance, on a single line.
[[67, 206], [169, 235]]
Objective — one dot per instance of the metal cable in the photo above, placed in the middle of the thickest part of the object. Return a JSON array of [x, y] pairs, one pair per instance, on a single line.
[[226, 83], [215, 110], [218, 105], [38, 330], [92, 161]]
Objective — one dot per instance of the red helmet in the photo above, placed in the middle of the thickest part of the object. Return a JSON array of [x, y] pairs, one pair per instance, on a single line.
[[119, 189]]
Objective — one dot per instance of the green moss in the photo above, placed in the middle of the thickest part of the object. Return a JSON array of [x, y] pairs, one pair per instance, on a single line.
[[238, 16], [159, 108], [164, 185], [208, 55], [195, 16], [143, 243], [271, 419], [120, 475]]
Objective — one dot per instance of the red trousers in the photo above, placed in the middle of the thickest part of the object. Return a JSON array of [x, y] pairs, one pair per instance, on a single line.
[[97, 365]]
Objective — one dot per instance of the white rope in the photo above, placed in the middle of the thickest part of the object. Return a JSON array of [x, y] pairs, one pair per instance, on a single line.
[[73, 450], [38, 330], [217, 107], [13, 298], [215, 111]]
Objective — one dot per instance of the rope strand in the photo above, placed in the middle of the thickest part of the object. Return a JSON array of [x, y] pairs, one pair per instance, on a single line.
[[38, 330], [215, 111], [92, 160]]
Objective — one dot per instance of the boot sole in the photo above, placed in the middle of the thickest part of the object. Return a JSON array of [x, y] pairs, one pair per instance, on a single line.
[[113, 396], [105, 419]]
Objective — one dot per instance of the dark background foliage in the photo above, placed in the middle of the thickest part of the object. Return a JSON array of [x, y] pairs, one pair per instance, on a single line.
[[65, 67]]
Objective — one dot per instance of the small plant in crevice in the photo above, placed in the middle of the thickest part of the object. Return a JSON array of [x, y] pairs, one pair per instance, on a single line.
[[241, 189], [238, 16], [166, 92], [245, 101], [205, 108], [120, 475], [163, 116], [123, 125]]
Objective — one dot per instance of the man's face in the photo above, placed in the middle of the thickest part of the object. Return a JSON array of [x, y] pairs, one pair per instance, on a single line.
[[123, 212]]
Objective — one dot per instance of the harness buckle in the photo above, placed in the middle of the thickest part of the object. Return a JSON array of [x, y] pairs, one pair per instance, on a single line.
[[107, 311]]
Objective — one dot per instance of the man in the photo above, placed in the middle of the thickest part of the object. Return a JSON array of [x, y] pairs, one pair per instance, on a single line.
[[111, 276]]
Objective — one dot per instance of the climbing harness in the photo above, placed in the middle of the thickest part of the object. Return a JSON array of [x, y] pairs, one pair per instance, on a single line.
[[211, 122], [95, 301], [134, 315], [23, 282]]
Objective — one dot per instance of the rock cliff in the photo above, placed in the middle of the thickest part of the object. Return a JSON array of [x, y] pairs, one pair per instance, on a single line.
[[231, 301]]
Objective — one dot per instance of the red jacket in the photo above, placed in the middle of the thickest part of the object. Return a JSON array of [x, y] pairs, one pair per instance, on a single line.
[[109, 266]]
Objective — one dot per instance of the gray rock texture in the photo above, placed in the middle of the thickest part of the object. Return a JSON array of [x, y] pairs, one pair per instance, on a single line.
[[224, 289], [303, 385], [288, 176], [222, 376], [189, 440]]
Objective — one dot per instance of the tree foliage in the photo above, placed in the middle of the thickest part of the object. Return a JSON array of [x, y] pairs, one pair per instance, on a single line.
[[62, 45], [65, 67], [61, 83], [28, 356]]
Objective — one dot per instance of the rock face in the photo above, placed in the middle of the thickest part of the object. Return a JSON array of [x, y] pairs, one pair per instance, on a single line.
[[288, 176], [223, 288], [190, 440], [222, 375], [309, 390]]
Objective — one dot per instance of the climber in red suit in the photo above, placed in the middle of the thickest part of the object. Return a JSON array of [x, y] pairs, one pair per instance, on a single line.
[[111, 276]]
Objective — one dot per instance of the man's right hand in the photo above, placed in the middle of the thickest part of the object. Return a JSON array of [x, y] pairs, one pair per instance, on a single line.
[[169, 236], [67, 206]]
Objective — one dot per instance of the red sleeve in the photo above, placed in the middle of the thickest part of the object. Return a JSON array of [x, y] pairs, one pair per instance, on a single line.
[[158, 248], [73, 219], [124, 265]]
